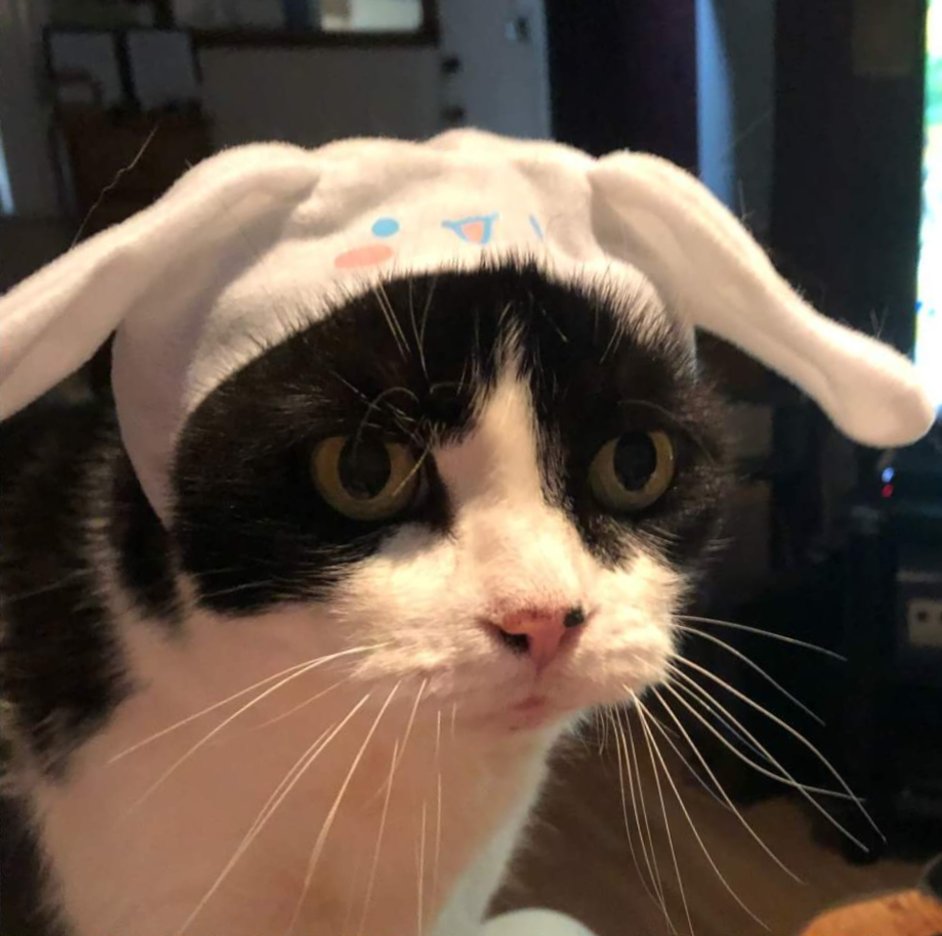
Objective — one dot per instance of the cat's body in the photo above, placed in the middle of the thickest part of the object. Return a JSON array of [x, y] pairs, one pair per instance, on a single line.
[[116, 629]]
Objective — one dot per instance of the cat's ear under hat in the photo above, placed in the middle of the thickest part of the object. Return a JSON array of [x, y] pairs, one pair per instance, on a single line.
[[55, 321], [710, 271]]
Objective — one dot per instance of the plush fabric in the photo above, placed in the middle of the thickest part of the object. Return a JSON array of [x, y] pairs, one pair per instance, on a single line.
[[258, 241], [534, 923]]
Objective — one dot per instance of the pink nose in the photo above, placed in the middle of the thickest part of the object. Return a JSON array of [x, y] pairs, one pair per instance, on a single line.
[[540, 633]]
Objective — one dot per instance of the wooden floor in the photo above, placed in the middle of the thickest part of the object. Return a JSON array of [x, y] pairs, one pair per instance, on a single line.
[[579, 861]]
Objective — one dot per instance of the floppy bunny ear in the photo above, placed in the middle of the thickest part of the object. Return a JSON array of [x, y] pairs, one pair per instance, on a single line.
[[709, 269], [54, 321]]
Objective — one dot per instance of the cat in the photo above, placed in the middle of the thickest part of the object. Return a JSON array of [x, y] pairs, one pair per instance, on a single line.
[[549, 471], [392, 489]]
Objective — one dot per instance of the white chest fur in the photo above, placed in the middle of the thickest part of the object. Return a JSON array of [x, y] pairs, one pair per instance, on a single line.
[[175, 837]]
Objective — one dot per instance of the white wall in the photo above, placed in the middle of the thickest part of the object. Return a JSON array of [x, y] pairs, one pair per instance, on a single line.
[[503, 84], [312, 95]]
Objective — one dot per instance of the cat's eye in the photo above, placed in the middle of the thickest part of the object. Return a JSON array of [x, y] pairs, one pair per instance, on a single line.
[[365, 478], [632, 471]]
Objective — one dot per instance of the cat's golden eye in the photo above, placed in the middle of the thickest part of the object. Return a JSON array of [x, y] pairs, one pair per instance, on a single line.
[[632, 471], [365, 478]]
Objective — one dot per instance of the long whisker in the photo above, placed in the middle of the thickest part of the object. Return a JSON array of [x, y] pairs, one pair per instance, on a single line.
[[45, 588], [768, 635], [719, 786], [655, 870], [603, 722], [420, 897], [419, 337], [271, 807], [706, 702], [623, 764], [425, 310], [695, 831], [393, 763], [237, 695], [703, 635], [228, 721], [666, 734], [382, 298], [712, 707], [788, 728], [411, 722], [301, 705], [734, 732], [332, 813], [652, 745], [436, 858]]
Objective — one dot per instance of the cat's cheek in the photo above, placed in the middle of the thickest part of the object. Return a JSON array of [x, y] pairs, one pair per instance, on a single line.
[[630, 638]]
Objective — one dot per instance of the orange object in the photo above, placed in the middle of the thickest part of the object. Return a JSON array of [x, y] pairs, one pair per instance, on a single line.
[[904, 913]]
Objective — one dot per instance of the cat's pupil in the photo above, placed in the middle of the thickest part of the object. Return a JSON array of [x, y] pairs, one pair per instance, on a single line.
[[635, 460], [364, 467]]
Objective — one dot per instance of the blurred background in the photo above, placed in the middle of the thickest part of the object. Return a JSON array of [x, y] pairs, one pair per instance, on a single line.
[[819, 123]]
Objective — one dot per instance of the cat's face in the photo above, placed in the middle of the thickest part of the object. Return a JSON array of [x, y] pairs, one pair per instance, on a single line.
[[501, 484]]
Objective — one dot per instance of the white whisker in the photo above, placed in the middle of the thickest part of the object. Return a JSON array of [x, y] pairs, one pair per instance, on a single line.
[[419, 337], [228, 721], [371, 883], [666, 734], [768, 635], [412, 714], [696, 832], [703, 635], [651, 745], [623, 764], [420, 897], [382, 298], [332, 813], [795, 734], [806, 792], [436, 858], [722, 791], [237, 695], [712, 707], [270, 808], [655, 870], [301, 705]]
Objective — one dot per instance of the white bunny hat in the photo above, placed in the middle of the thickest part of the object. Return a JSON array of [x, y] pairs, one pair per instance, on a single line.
[[259, 239]]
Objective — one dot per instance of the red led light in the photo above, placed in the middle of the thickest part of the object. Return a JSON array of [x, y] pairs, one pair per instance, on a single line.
[[886, 491]]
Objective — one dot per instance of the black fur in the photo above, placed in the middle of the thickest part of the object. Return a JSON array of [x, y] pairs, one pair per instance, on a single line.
[[68, 489], [60, 663], [143, 548], [252, 529]]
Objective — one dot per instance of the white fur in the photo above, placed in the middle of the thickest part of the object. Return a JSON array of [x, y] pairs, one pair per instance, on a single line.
[[132, 860]]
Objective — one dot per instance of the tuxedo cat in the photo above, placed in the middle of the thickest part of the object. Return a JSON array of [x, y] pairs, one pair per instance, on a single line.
[[290, 627]]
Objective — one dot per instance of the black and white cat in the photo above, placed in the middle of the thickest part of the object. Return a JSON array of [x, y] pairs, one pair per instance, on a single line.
[[397, 551]]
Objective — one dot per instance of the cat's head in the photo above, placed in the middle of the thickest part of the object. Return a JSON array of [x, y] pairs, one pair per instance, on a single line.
[[501, 483], [439, 400]]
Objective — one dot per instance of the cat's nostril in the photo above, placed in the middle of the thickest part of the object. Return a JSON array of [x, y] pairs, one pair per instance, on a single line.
[[574, 617], [540, 633], [519, 643]]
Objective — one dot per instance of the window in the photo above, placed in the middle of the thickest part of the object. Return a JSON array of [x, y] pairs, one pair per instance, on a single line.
[[304, 16]]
